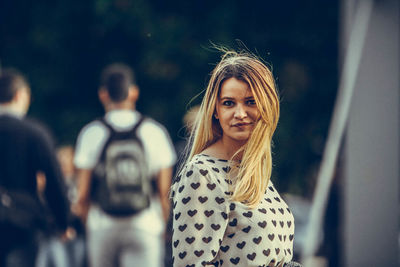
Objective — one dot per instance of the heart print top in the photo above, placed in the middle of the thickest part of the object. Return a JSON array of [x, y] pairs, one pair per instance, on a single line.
[[209, 229]]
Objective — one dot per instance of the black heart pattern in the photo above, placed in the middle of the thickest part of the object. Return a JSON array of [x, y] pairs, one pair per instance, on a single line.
[[215, 227], [186, 200], [199, 226], [198, 253], [271, 188], [272, 210], [208, 213], [225, 248], [191, 213], [231, 235], [207, 239], [257, 240], [190, 240], [247, 229], [182, 227], [211, 186], [271, 237], [248, 214], [203, 199], [220, 200], [203, 172], [263, 210], [251, 256], [226, 169], [235, 260], [266, 252], [195, 185], [253, 223], [182, 255], [233, 223], [215, 169], [262, 224], [241, 244]]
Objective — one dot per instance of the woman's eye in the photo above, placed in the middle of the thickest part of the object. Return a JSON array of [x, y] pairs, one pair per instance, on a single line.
[[251, 102], [227, 103]]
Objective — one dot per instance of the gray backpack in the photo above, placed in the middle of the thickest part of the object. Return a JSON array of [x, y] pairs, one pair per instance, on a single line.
[[121, 180]]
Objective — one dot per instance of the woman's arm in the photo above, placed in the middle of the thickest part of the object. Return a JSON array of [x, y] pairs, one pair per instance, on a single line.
[[200, 217]]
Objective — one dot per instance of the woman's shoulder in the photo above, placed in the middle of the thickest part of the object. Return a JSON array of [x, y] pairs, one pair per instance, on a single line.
[[203, 166], [214, 164]]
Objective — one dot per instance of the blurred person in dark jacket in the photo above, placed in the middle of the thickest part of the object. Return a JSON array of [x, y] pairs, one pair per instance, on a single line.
[[26, 153]]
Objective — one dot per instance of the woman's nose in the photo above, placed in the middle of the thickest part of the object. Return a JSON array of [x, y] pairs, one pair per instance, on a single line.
[[240, 112]]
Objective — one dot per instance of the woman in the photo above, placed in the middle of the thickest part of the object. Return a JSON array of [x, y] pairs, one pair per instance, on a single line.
[[226, 211]]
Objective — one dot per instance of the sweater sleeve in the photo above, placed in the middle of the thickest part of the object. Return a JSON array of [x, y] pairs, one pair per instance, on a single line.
[[200, 217], [55, 191]]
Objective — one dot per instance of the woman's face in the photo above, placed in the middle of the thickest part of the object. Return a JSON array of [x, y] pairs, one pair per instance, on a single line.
[[236, 111]]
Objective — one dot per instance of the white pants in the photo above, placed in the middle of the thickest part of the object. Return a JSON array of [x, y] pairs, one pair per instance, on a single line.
[[124, 246]]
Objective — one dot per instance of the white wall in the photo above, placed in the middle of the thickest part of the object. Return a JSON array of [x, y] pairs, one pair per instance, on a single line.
[[371, 148]]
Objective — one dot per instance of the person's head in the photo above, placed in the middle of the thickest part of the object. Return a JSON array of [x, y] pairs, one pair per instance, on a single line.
[[117, 87], [190, 118], [262, 113], [14, 91]]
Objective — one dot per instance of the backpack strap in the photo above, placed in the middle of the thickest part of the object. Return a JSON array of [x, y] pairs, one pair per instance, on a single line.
[[141, 119], [113, 131], [123, 134]]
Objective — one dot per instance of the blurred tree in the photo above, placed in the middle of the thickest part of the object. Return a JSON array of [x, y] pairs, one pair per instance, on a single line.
[[62, 45]]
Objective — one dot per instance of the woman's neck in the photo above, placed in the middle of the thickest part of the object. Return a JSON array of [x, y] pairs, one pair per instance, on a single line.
[[225, 149]]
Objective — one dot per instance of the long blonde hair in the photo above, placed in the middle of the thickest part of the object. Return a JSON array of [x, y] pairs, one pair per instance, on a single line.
[[256, 164]]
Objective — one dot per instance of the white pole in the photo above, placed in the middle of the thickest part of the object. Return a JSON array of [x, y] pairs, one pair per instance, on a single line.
[[336, 131]]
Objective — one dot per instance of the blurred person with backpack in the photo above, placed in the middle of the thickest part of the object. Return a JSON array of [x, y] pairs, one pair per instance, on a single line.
[[124, 162], [26, 153]]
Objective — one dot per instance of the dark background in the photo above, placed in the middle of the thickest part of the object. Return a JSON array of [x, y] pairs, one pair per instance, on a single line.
[[61, 46]]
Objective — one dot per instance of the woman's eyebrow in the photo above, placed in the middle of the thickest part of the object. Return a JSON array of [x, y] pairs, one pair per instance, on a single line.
[[232, 98], [226, 97]]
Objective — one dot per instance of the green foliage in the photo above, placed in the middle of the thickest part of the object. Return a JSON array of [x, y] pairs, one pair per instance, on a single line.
[[62, 46]]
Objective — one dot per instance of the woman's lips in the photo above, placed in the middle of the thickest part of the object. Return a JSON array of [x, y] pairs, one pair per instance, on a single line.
[[241, 124]]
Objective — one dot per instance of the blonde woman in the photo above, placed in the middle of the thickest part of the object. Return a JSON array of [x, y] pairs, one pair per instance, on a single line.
[[226, 211]]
